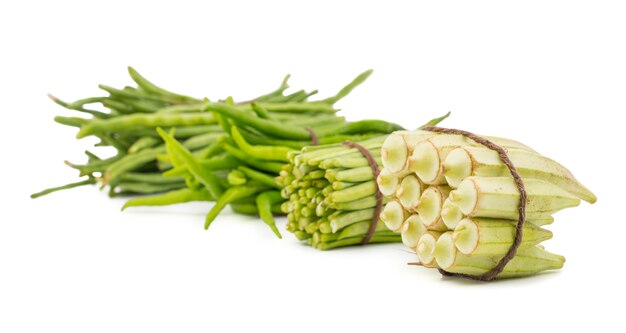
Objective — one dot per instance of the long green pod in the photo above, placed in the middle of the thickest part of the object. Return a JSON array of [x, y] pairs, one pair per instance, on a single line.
[[154, 89], [272, 153], [264, 202], [265, 126], [498, 197], [207, 178], [464, 162], [526, 262], [170, 198], [232, 194], [141, 120], [494, 237]]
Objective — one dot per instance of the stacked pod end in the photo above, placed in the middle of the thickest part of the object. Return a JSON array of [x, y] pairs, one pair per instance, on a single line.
[[456, 205]]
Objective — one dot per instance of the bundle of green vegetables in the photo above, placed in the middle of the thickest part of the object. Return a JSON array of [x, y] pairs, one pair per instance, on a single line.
[[133, 113], [182, 149], [332, 195], [455, 203]]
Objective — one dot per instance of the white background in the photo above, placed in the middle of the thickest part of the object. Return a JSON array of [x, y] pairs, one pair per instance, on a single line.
[[550, 74]]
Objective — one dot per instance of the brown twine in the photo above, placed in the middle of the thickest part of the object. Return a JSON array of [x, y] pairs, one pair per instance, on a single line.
[[314, 140], [379, 196], [490, 275]]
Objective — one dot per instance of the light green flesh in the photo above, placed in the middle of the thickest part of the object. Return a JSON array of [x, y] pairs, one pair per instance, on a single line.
[[387, 182], [412, 231], [451, 214], [425, 248], [393, 215], [425, 162], [394, 153], [445, 250], [429, 207], [409, 192]]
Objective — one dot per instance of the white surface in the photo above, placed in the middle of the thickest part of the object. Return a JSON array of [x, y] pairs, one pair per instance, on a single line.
[[545, 73]]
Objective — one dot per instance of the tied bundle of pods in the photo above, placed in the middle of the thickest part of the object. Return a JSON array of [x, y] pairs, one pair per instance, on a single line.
[[331, 194], [132, 114], [240, 169], [455, 203]]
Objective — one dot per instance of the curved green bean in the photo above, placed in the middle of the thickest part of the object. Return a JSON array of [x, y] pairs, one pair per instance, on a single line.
[[170, 198], [264, 202], [232, 194]]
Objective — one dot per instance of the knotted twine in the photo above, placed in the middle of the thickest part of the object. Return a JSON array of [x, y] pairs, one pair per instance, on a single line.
[[314, 140], [491, 274], [379, 196]]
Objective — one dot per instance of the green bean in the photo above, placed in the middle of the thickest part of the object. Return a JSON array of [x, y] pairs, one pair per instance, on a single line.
[[348, 88], [292, 107], [78, 106], [257, 164], [236, 177], [180, 108], [363, 126], [272, 153], [170, 198], [260, 111], [260, 177], [131, 162], [71, 121], [133, 94], [143, 143], [230, 195], [151, 178], [264, 202], [152, 88], [146, 188], [88, 181], [140, 120], [251, 209], [265, 126], [278, 92], [436, 121], [205, 177]]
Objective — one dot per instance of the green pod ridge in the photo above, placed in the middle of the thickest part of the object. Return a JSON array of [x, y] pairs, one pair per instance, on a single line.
[[494, 237], [498, 197], [476, 161]]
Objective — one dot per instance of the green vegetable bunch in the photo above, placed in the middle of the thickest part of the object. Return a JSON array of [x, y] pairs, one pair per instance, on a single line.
[[456, 205], [132, 114]]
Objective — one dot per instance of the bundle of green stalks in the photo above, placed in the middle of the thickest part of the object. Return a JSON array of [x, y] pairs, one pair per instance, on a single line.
[[128, 117], [180, 149], [456, 205], [331, 194]]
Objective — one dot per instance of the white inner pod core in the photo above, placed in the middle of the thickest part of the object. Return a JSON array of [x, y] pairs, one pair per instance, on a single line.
[[387, 182], [451, 214], [394, 153], [429, 206], [412, 230], [445, 252], [457, 166], [393, 215], [425, 162], [409, 192], [425, 248], [465, 236], [465, 196]]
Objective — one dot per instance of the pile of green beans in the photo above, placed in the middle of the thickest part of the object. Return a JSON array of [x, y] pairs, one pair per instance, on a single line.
[[243, 169], [331, 194], [128, 117]]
